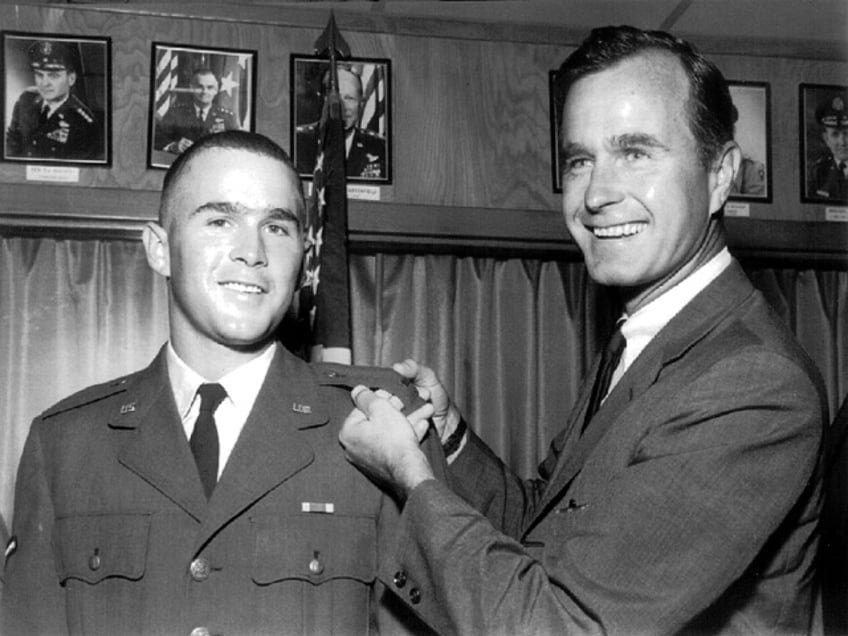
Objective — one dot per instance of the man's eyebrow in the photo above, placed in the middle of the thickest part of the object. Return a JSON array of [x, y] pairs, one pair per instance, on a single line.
[[570, 149], [638, 139], [228, 207]]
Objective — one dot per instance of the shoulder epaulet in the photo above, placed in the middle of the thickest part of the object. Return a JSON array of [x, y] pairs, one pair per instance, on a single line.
[[82, 109], [87, 396], [347, 377]]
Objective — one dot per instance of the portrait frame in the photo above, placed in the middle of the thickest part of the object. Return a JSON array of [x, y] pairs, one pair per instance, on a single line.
[[815, 153], [556, 173], [373, 122], [171, 114], [78, 132], [752, 103]]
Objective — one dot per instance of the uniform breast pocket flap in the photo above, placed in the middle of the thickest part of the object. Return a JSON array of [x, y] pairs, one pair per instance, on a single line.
[[95, 546], [314, 548]]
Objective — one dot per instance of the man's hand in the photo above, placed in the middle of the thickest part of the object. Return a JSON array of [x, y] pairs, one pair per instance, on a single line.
[[446, 416], [379, 440]]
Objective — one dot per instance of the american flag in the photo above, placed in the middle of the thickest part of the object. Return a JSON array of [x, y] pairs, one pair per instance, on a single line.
[[166, 79], [326, 291]]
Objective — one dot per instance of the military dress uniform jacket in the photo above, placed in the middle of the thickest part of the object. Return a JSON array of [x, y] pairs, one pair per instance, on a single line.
[[827, 180], [181, 121], [366, 158], [689, 505], [115, 536], [69, 133]]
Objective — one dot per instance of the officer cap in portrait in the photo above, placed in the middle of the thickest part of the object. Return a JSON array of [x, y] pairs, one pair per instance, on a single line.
[[832, 112], [46, 55]]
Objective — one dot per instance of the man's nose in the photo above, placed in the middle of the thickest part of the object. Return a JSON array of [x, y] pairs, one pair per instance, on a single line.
[[249, 248], [604, 188]]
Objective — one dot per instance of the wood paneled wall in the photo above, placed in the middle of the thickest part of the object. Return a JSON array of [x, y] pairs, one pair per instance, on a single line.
[[470, 124]]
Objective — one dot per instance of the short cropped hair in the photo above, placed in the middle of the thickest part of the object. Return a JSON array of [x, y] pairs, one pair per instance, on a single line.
[[709, 105], [228, 140]]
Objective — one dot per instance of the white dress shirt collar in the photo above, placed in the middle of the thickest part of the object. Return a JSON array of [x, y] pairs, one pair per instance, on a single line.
[[640, 328]]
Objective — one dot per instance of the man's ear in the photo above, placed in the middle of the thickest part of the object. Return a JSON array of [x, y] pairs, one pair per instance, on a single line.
[[722, 175], [155, 240]]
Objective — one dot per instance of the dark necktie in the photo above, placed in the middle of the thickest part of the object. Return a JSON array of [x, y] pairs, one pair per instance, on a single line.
[[43, 117], [204, 437], [609, 361]]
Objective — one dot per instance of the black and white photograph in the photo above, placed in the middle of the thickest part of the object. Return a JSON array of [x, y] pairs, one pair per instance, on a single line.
[[196, 92], [824, 143], [752, 131], [364, 89], [56, 107]]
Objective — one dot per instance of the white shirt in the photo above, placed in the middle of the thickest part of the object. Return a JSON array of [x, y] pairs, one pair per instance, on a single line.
[[242, 386], [640, 328]]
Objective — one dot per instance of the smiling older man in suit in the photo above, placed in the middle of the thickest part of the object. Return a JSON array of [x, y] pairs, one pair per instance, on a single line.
[[687, 499]]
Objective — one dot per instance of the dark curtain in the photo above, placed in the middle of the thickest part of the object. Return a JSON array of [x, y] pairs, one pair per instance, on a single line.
[[511, 338]]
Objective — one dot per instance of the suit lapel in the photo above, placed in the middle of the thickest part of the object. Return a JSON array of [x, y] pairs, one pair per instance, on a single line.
[[159, 452], [271, 447], [690, 325]]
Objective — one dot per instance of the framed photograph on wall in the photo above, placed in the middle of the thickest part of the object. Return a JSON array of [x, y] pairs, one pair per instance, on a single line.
[[556, 124], [196, 92], [752, 108], [57, 99], [365, 91], [824, 143]]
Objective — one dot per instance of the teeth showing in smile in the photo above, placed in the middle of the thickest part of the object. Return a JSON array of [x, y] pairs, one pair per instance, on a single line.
[[619, 231], [243, 288]]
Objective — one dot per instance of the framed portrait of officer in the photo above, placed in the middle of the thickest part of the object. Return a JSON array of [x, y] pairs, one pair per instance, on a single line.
[[196, 92], [364, 86], [824, 143], [752, 131], [56, 99]]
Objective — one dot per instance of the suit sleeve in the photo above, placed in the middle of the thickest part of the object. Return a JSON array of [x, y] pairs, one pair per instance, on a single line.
[[703, 492], [33, 600]]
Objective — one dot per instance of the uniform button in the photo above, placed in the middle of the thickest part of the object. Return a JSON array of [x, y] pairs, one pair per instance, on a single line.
[[415, 596], [400, 578], [94, 561], [315, 566], [200, 631], [199, 570]]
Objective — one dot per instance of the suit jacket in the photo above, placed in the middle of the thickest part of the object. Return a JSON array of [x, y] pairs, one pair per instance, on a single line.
[[71, 131], [115, 535], [689, 504], [833, 550]]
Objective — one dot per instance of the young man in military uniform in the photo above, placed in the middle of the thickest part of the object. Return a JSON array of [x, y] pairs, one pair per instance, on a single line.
[[365, 150], [49, 121], [185, 123], [829, 173], [141, 508]]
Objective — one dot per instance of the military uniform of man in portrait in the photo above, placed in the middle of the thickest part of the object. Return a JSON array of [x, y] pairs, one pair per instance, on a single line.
[[49, 121], [186, 122], [828, 175]]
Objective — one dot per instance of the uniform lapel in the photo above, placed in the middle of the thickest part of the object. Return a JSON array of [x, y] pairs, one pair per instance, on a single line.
[[159, 452], [272, 446], [693, 323]]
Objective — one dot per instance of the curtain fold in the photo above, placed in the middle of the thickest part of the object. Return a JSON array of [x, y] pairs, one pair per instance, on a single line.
[[510, 338]]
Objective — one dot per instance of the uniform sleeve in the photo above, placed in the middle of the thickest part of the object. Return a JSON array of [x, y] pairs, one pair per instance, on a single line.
[[32, 600], [703, 493]]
